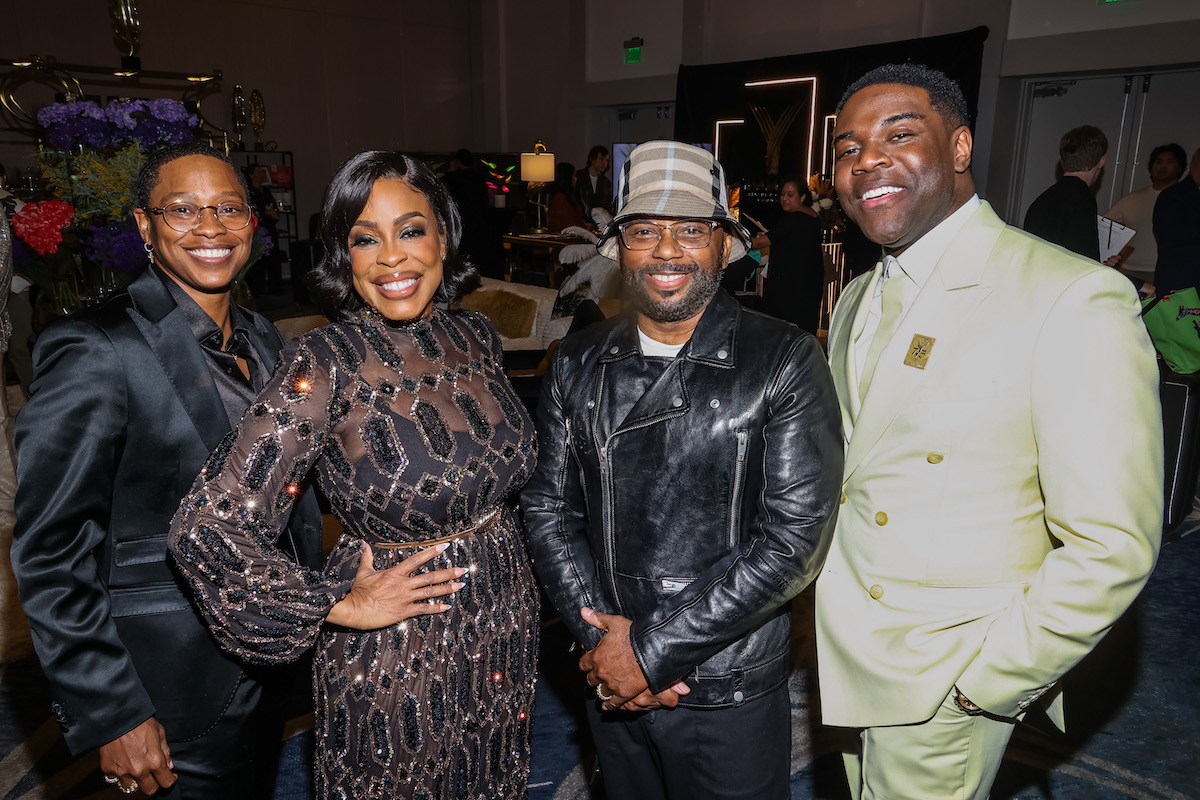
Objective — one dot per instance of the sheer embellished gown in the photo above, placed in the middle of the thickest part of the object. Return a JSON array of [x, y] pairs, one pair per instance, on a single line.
[[414, 434]]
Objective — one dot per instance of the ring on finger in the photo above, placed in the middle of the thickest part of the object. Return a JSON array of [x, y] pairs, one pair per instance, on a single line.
[[111, 779], [130, 789], [603, 695]]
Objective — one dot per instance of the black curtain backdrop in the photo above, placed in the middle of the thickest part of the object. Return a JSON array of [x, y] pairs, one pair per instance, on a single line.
[[705, 94]]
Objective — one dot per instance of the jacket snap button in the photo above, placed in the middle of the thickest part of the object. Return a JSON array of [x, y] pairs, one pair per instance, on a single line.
[[615, 350], [722, 353], [714, 403], [738, 697], [934, 458], [591, 403], [677, 402], [881, 518], [876, 591]]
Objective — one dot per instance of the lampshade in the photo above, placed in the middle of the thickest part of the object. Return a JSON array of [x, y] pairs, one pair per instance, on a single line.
[[538, 166]]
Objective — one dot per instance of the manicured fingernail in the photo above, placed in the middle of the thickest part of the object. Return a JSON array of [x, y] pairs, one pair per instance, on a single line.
[[456, 585], [459, 572], [442, 547]]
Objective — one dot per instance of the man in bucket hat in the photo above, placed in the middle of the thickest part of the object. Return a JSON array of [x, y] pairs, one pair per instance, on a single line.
[[685, 492]]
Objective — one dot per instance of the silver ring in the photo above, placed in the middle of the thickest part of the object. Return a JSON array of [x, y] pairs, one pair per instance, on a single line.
[[600, 693], [111, 779], [130, 789]]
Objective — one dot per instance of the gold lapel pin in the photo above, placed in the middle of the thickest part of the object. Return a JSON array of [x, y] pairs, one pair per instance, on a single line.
[[919, 350]]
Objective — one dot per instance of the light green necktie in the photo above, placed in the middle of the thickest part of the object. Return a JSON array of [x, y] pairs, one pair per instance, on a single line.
[[889, 319]]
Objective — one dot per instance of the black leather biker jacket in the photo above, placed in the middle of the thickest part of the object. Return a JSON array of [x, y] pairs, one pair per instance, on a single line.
[[695, 500]]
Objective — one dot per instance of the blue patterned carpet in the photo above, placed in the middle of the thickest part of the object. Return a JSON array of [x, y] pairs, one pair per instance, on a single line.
[[1133, 719]]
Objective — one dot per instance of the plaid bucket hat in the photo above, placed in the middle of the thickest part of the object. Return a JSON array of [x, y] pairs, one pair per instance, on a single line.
[[676, 180]]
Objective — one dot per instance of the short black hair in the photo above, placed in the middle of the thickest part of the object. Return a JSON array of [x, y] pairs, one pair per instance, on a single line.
[[1081, 149], [597, 150], [332, 280], [944, 94], [149, 174], [1172, 148]]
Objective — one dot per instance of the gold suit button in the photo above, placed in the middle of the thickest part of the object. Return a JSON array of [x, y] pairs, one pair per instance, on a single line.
[[876, 591], [881, 518], [934, 458], [843, 497]]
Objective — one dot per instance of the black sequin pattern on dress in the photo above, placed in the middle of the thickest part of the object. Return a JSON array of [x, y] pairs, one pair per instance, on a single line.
[[410, 430]]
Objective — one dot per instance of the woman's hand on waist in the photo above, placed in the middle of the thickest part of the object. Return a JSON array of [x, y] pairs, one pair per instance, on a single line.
[[380, 598]]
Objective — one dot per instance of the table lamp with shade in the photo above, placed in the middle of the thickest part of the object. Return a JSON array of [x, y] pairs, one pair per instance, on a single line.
[[537, 170]]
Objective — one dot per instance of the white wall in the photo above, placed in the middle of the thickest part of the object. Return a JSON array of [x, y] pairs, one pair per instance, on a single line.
[[609, 25], [1051, 17]]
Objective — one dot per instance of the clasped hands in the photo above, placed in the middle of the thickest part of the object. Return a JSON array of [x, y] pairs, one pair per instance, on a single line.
[[614, 665]]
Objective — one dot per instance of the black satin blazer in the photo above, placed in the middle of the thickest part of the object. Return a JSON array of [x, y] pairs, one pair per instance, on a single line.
[[122, 413]]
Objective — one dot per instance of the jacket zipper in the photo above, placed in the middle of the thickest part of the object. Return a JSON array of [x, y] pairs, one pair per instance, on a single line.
[[607, 499], [739, 470]]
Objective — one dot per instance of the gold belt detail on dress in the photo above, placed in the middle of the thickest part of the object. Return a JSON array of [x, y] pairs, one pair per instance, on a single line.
[[480, 525]]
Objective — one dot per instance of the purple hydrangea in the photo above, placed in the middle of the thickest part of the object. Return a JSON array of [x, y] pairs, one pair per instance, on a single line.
[[116, 246], [68, 124], [168, 110]]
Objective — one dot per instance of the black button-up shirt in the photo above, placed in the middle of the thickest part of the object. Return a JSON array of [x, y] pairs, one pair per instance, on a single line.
[[237, 392]]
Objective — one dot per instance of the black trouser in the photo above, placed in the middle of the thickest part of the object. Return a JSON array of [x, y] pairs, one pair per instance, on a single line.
[[690, 754], [233, 759]]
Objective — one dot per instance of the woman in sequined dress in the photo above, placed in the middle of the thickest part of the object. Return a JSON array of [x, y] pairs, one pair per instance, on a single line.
[[425, 663]]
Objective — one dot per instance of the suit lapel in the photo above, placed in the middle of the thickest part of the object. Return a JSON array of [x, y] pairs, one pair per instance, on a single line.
[[853, 307], [665, 398], [941, 309], [166, 331]]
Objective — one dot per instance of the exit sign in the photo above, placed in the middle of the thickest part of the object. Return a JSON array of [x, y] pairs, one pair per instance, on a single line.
[[633, 50]]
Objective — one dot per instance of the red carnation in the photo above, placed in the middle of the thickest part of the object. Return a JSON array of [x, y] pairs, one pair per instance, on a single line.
[[41, 224]]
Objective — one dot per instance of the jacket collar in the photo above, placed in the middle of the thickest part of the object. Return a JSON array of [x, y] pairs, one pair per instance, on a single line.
[[169, 335], [713, 343]]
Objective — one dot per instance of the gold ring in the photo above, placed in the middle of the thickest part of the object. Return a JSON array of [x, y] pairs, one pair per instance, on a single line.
[[110, 779], [130, 789], [600, 693]]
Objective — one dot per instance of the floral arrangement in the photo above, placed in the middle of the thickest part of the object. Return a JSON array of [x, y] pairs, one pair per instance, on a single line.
[[146, 123], [116, 246], [41, 224], [824, 202], [83, 244]]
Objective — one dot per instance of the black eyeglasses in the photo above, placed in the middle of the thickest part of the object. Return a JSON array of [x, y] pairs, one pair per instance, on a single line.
[[185, 217], [694, 234]]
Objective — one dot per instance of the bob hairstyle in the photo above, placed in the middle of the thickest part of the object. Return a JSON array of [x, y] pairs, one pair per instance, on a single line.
[[332, 280]]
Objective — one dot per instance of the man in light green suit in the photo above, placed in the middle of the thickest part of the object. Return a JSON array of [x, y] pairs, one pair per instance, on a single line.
[[1003, 489]]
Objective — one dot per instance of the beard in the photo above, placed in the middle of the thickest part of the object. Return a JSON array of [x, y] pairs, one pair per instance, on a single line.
[[679, 304]]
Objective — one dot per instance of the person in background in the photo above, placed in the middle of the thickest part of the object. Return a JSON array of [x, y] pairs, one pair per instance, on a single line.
[[593, 185], [1061, 214], [1065, 214], [565, 210], [795, 279], [996, 520], [1136, 210], [127, 402], [470, 193], [1177, 229], [685, 491]]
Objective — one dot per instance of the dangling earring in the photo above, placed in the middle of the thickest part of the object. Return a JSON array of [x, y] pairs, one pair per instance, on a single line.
[[149, 248]]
